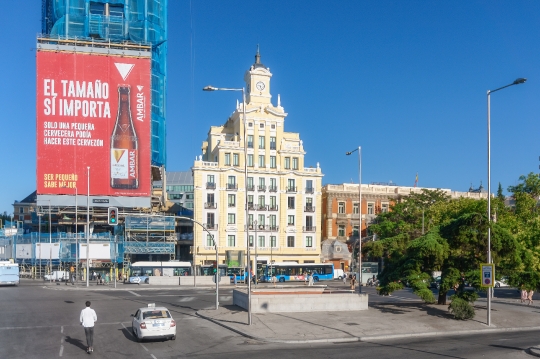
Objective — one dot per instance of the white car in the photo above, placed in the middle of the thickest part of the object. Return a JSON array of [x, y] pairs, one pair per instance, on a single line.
[[153, 323], [501, 283]]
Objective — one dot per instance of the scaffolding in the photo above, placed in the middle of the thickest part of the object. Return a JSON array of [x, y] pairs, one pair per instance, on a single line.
[[119, 21], [149, 234]]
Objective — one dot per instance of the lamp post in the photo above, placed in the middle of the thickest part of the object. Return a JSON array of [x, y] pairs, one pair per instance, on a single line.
[[50, 242], [88, 226], [359, 149], [516, 82], [76, 239], [212, 88]]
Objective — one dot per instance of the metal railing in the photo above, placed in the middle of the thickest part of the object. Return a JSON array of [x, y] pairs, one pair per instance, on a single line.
[[272, 188], [210, 226], [273, 208], [261, 188], [309, 209], [309, 229], [262, 207], [291, 189], [210, 205], [309, 190], [210, 185], [232, 186]]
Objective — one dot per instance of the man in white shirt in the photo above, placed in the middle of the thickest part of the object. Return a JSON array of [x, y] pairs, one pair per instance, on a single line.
[[87, 318]]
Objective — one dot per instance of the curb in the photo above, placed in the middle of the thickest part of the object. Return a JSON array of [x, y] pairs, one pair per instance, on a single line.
[[128, 288], [534, 351], [378, 337]]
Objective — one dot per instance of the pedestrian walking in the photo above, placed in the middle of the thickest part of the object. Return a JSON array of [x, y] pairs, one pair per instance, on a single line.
[[274, 280], [345, 279], [234, 279], [310, 281], [524, 294], [87, 318], [530, 297], [306, 278], [353, 282]]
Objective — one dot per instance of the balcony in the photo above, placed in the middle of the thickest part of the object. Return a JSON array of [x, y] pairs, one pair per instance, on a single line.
[[211, 226], [262, 207], [272, 145], [309, 229], [291, 189], [290, 207], [210, 185], [232, 187], [250, 187], [210, 205], [272, 189], [261, 188], [310, 190], [309, 209], [232, 205], [273, 228], [273, 208], [251, 206]]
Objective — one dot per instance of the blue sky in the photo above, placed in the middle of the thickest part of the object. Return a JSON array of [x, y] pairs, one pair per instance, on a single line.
[[406, 80]]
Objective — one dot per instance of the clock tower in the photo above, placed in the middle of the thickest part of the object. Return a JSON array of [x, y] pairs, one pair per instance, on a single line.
[[257, 80]]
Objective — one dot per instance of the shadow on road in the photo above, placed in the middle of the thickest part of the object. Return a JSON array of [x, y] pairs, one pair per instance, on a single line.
[[76, 342]]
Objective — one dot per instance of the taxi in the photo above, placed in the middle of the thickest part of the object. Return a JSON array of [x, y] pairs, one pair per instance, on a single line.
[[153, 323]]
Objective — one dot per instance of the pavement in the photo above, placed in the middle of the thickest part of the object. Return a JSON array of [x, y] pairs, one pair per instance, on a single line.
[[389, 320]]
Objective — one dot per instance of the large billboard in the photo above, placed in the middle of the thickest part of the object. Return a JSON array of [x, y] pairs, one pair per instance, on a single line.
[[93, 111]]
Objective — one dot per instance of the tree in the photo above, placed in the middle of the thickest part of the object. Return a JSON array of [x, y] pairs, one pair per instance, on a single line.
[[500, 194]]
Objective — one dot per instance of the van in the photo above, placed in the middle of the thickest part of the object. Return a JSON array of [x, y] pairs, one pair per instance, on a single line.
[[57, 275], [339, 274]]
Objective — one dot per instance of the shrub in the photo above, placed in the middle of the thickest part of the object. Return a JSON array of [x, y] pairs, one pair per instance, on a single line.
[[461, 309]]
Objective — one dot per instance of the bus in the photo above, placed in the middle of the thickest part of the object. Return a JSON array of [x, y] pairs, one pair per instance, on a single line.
[[292, 271], [208, 270], [139, 272], [9, 273]]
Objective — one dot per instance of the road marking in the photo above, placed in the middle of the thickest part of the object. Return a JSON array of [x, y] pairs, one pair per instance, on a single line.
[[61, 350], [62, 329], [138, 295], [186, 299], [144, 347], [152, 355]]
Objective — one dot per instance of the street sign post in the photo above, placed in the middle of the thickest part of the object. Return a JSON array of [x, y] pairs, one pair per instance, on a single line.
[[487, 275]]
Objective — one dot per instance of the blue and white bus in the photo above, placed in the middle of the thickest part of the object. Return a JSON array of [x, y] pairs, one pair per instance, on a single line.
[[9, 273], [139, 272], [291, 271]]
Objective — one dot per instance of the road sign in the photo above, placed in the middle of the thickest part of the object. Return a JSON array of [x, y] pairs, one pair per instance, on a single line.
[[487, 275]]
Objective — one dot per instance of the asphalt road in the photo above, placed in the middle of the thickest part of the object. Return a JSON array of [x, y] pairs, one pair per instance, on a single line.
[[44, 323]]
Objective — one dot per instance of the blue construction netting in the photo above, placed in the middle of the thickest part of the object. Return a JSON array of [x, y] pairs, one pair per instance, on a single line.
[[140, 21]]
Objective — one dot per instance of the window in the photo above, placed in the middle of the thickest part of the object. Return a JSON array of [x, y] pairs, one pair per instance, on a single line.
[[250, 184], [261, 201], [262, 241], [272, 161], [341, 230], [250, 141], [231, 241], [309, 202], [251, 241], [250, 219], [210, 200], [273, 202], [210, 220], [227, 159], [273, 241], [21, 210], [261, 220], [309, 223], [261, 142], [231, 218], [209, 241], [250, 124], [236, 159], [371, 208], [287, 163], [295, 163], [250, 160], [384, 207], [272, 220], [355, 208], [261, 161], [290, 220], [273, 141], [231, 180], [21, 217], [355, 230], [341, 207], [261, 125], [231, 200], [309, 186], [250, 200], [210, 178], [189, 195], [290, 202], [309, 241], [290, 241], [273, 185], [175, 195], [290, 185], [261, 182]]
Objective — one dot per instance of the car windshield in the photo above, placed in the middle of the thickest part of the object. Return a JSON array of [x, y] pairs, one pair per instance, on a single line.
[[156, 314]]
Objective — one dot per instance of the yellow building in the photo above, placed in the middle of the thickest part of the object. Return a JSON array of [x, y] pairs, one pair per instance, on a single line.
[[283, 195]]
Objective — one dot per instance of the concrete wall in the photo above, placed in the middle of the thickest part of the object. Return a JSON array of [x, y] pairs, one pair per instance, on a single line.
[[281, 303]]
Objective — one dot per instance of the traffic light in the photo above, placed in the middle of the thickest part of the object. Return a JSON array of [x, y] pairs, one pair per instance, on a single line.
[[112, 217], [215, 267]]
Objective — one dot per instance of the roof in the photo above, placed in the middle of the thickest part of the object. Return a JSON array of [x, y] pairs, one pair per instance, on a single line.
[[31, 198], [181, 177]]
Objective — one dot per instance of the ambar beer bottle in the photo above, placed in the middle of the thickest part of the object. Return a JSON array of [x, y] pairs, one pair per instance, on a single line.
[[124, 145]]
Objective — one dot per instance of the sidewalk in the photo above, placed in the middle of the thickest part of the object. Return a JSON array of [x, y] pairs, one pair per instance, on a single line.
[[380, 321]]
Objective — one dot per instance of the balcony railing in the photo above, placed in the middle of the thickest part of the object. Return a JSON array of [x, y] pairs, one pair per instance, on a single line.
[[262, 207], [263, 228], [210, 185], [250, 187], [210, 226], [261, 188], [309, 229], [210, 205], [309, 190], [291, 189], [273, 208], [251, 206], [309, 209], [272, 145], [290, 207], [232, 186], [272, 188], [232, 205]]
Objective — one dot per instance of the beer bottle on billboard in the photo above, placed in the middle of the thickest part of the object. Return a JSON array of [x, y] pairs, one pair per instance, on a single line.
[[124, 145]]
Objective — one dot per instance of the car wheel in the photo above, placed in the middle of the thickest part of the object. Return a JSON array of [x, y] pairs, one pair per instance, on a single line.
[[147, 281], [281, 280], [340, 277], [173, 337]]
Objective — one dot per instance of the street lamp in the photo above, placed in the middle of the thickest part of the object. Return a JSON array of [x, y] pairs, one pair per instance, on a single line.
[[359, 149], [88, 226], [212, 88], [516, 82]]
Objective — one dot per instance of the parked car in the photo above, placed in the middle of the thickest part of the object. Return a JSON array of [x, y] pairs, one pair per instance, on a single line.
[[501, 282], [153, 323], [138, 279], [436, 283], [57, 276], [338, 274]]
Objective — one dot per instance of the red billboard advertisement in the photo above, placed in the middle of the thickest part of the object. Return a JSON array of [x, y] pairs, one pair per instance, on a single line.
[[93, 110]]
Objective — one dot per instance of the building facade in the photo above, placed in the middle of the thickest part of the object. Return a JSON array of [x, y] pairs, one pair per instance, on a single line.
[[283, 196], [340, 218]]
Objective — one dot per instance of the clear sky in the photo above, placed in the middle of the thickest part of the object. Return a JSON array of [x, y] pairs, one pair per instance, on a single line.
[[406, 80]]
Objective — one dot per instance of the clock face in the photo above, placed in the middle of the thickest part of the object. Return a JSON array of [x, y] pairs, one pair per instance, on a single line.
[[260, 86]]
